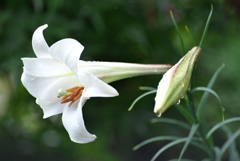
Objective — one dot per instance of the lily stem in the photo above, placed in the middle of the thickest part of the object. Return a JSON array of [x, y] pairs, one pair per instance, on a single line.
[[200, 129]]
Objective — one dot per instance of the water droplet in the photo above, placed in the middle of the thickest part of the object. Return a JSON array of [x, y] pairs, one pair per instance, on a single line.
[[159, 114], [179, 101]]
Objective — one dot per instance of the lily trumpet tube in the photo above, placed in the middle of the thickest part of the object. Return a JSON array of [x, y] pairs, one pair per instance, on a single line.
[[61, 83], [175, 82], [112, 71]]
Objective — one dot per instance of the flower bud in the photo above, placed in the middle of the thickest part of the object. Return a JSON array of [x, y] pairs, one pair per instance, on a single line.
[[175, 82]]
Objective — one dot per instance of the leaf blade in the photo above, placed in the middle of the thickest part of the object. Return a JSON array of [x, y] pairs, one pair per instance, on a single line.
[[158, 138], [190, 136], [206, 94], [206, 26], [140, 97], [169, 145], [228, 143], [209, 90], [171, 121], [217, 126]]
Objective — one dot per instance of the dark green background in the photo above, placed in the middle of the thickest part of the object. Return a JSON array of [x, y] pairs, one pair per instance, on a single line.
[[138, 31]]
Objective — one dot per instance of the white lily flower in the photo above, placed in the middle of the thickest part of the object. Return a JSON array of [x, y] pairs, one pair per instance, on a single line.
[[61, 83]]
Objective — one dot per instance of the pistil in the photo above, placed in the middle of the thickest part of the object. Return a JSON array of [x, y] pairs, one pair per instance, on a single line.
[[70, 95]]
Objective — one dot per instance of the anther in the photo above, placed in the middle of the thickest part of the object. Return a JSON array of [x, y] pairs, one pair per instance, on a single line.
[[70, 95]]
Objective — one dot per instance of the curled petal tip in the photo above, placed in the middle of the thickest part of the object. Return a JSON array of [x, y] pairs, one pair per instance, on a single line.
[[40, 46], [85, 140], [45, 26], [40, 29], [115, 93]]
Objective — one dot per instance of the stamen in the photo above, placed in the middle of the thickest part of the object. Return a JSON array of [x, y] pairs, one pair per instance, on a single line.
[[70, 95], [62, 92]]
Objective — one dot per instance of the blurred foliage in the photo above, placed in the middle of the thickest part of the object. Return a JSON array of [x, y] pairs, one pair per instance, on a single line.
[[139, 31]]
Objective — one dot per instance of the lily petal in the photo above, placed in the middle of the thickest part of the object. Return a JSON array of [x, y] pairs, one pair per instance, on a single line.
[[39, 44], [45, 67], [73, 122], [94, 87], [45, 90], [67, 51]]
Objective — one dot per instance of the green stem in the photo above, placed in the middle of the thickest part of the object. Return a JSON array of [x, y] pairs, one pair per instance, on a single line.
[[200, 129], [192, 106]]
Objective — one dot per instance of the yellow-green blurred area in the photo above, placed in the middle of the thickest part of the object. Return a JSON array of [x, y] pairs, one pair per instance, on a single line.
[[137, 31]]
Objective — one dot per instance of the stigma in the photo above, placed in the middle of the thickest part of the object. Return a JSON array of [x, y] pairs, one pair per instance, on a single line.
[[70, 95]]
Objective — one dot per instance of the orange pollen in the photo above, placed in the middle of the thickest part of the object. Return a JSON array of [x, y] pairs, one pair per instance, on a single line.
[[73, 94]]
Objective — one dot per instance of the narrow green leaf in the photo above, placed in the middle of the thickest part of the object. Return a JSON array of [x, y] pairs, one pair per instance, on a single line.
[[185, 113], [207, 159], [179, 34], [171, 121], [230, 140], [209, 90], [206, 26], [214, 128], [233, 151], [213, 93], [201, 146], [217, 153], [147, 88], [169, 145], [189, 138], [158, 138], [206, 94], [181, 160], [191, 36], [140, 97]]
